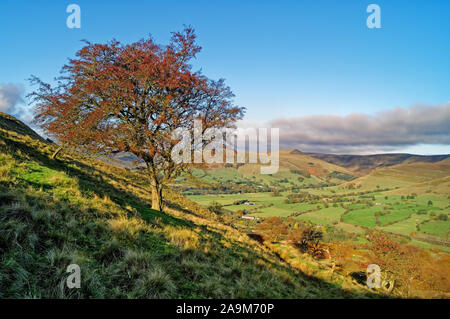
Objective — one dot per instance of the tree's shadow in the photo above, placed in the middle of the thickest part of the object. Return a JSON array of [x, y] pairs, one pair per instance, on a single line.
[[90, 183]]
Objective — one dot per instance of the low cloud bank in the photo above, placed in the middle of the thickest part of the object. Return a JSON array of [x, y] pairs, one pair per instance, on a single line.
[[359, 133]]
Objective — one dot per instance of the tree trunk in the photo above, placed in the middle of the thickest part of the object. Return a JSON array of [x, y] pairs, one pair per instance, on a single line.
[[157, 197], [156, 187], [59, 149]]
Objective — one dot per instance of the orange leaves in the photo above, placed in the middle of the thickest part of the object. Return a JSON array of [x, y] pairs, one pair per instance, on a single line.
[[273, 229]]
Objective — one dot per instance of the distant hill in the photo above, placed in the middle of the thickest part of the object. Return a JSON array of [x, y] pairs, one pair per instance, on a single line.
[[406, 176], [384, 170], [317, 164], [292, 160], [363, 164], [295, 170], [438, 186]]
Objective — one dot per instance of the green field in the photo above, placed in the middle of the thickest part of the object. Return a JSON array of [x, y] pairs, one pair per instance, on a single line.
[[406, 227], [438, 228], [347, 210], [330, 214], [266, 204], [362, 217]]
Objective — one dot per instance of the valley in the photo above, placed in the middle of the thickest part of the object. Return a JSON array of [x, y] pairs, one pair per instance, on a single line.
[[410, 199]]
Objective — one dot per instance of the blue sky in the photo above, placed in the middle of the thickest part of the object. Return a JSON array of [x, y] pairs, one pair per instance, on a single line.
[[282, 59]]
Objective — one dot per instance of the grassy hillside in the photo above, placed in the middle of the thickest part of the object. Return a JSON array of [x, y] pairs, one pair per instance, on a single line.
[[363, 164], [77, 210], [11, 124], [293, 160], [296, 170], [403, 175], [438, 187]]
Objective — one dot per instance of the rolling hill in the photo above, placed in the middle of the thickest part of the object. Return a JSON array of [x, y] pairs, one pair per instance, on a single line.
[[77, 210], [301, 169], [296, 160], [438, 186], [406, 176], [363, 164], [295, 170]]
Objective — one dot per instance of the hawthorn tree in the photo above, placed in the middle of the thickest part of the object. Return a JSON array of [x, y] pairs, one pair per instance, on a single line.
[[130, 98], [305, 238]]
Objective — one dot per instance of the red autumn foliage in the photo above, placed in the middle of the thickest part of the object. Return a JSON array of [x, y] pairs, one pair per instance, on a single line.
[[412, 267], [273, 229], [130, 98], [308, 240]]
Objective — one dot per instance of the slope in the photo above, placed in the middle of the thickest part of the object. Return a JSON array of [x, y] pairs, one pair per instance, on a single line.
[[404, 175], [77, 210], [10, 123], [437, 187], [295, 169], [364, 164]]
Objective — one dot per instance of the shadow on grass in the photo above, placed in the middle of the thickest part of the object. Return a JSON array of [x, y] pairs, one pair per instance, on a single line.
[[90, 183]]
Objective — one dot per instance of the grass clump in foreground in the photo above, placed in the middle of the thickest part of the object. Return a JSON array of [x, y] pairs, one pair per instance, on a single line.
[[77, 210]]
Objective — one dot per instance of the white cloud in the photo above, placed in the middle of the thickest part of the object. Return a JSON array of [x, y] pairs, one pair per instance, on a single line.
[[360, 133], [10, 96]]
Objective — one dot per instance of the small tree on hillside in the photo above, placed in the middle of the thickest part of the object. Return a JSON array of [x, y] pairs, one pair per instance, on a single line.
[[305, 239], [131, 98], [216, 207]]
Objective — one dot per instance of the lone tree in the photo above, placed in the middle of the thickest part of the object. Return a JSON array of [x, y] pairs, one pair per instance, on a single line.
[[307, 238], [130, 98]]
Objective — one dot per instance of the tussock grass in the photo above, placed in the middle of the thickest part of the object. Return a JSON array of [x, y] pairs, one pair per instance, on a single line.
[[182, 237]]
